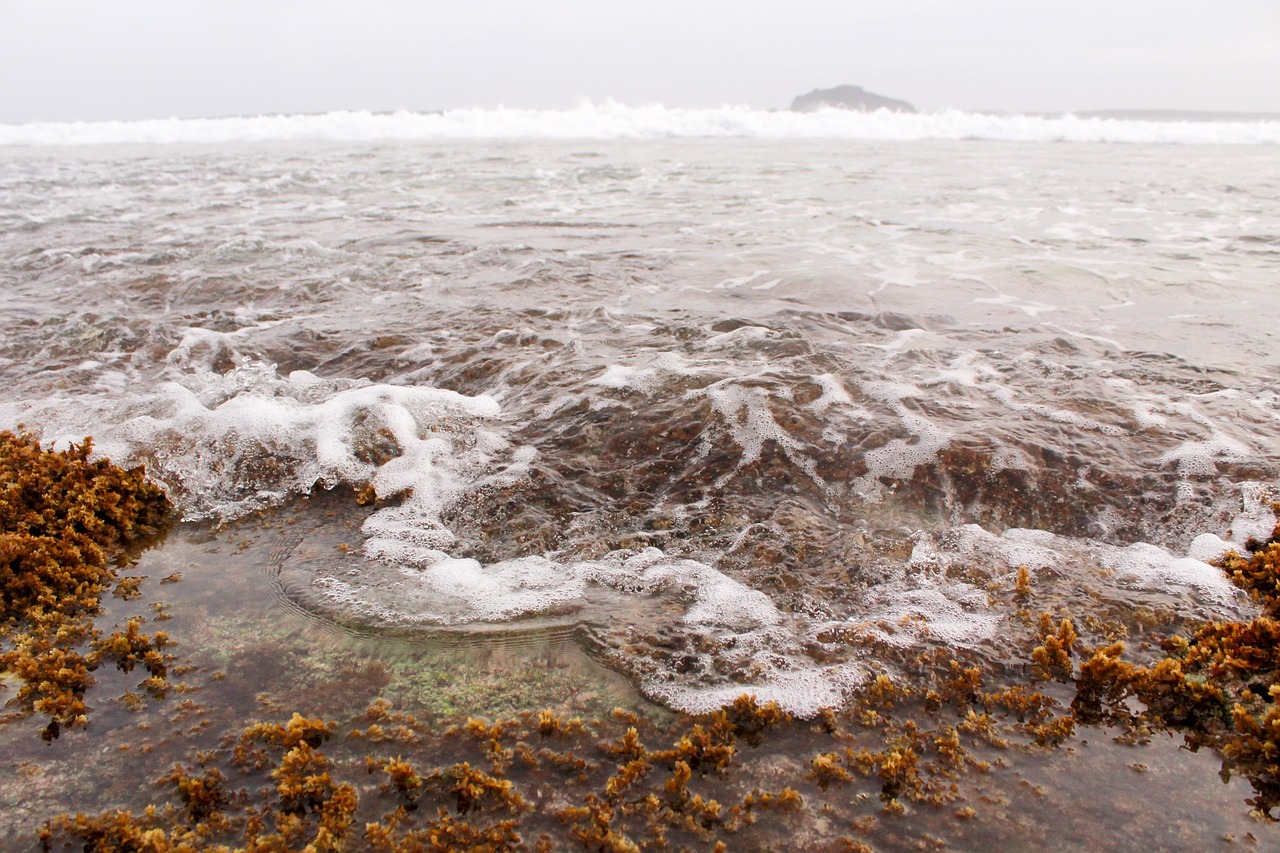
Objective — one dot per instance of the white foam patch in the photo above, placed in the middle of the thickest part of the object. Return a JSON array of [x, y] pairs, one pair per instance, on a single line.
[[714, 598], [1011, 458], [745, 413], [225, 445], [203, 345], [644, 378], [742, 335], [1035, 549], [802, 692], [965, 371], [451, 591], [891, 393], [739, 281], [1005, 395], [1257, 520], [611, 120], [622, 377], [957, 614], [1147, 417], [906, 339], [1208, 546], [1200, 458], [1147, 408], [1140, 565], [899, 458], [497, 592], [1152, 567], [835, 400], [835, 395]]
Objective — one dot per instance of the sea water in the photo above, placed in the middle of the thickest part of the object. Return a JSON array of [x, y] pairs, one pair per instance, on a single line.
[[738, 398]]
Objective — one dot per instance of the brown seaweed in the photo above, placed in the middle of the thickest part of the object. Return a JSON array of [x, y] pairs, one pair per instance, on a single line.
[[63, 518]]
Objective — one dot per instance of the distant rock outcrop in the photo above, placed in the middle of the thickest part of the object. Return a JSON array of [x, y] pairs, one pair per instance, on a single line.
[[848, 98]]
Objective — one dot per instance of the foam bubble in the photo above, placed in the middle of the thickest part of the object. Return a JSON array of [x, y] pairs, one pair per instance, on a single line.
[[891, 393], [496, 592], [1140, 565], [1207, 546], [1257, 519], [714, 598], [899, 458], [964, 371], [225, 445], [1006, 396], [745, 414], [835, 396], [450, 590], [622, 377], [644, 378], [742, 335], [1152, 567], [957, 614], [801, 692], [1200, 458]]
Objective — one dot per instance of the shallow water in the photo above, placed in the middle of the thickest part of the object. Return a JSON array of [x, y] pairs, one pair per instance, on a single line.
[[716, 402], [665, 420], [246, 652]]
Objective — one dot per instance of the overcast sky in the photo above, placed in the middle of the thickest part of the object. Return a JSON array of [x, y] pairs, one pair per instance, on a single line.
[[127, 59]]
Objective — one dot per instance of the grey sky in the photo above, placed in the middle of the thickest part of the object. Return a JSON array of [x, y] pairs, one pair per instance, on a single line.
[[126, 59]]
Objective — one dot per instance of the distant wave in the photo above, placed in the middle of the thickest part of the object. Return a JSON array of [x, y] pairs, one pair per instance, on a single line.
[[617, 121]]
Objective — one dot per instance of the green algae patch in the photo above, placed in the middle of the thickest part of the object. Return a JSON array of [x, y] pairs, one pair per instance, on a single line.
[[63, 519]]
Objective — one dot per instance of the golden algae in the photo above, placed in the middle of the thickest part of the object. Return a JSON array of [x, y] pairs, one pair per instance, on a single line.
[[1220, 685], [332, 757], [312, 798], [899, 764], [62, 519]]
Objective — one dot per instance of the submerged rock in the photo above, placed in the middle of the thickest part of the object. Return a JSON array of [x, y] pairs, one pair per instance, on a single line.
[[848, 98]]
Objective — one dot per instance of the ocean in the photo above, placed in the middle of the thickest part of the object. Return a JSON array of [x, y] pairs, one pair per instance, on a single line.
[[711, 401]]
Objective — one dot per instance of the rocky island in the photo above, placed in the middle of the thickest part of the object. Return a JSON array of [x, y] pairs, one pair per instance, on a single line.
[[848, 98]]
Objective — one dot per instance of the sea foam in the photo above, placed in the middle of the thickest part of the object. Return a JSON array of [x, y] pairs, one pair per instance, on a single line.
[[611, 120]]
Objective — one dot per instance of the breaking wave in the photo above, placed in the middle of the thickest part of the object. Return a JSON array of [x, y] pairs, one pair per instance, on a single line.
[[612, 120]]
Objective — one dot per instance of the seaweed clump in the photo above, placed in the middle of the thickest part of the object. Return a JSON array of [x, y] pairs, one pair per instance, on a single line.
[[63, 518], [1220, 686]]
